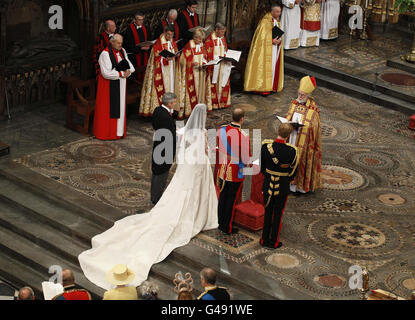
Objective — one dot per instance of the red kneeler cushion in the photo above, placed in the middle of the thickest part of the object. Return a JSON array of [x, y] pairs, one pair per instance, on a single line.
[[250, 213]]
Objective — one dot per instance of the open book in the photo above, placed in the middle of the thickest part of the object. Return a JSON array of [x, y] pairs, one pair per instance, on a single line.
[[295, 125], [167, 54], [51, 289], [146, 44], [231, 56]]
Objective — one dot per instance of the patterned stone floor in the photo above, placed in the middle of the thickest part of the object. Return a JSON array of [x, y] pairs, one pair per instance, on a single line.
[[364, 215], [363, 59]]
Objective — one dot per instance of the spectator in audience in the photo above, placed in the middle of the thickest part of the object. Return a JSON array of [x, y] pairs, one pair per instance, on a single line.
[[26, 293], [71, 290], [148, 291], [212, 292], [183, 286], [121, 276]]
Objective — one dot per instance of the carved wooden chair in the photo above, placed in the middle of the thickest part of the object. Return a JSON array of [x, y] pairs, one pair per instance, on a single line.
[[80, 100]]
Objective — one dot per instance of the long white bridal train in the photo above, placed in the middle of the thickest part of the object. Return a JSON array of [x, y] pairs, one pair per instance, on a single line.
[[187, 207]]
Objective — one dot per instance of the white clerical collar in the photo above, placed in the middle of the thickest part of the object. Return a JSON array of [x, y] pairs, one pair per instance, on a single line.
[[138, 27], [109, 34], [166, 108], [190, 13]]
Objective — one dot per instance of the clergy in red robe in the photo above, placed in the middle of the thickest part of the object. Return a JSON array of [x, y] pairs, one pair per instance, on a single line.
[[172, 21], [110, 115], [188, 19], [161, 73], [216, 47], [194, 87], [135, 34], [102, 41]]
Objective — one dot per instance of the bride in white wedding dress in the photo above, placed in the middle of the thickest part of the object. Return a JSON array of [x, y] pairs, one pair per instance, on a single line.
[[188, 206]]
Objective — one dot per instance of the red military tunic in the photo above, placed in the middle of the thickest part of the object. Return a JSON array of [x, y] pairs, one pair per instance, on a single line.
[[73, 293], [229, 170]]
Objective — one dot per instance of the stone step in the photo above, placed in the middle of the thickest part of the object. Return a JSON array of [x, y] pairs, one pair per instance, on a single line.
[[290, 61], [354, 90], [48, 212], [36, 258], [19, 275], [61, 195], [25, 225], [400, 64]]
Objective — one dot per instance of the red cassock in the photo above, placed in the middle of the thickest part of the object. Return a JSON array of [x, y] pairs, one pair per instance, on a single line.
[[105, 127]]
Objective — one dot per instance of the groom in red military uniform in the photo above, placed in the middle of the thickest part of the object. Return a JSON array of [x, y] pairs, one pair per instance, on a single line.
[[135, 34], [234, 155]]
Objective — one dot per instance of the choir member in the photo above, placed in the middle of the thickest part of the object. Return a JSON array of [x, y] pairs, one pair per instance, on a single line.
[[102, 41], [135, 34]]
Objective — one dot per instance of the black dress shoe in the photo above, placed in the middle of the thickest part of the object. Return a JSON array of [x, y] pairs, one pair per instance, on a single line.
[[278, 246], [263, 244], [234, 230]]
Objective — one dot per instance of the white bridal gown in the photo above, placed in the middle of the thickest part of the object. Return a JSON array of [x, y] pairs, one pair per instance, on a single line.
[[188, 206]]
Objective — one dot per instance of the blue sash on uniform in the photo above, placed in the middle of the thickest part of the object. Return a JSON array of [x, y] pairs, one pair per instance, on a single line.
[[224, 139]]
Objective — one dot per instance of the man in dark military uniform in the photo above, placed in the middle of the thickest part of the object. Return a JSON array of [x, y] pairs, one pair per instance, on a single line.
[[71, 290], [212, 292], [234, 155], [279, 162]]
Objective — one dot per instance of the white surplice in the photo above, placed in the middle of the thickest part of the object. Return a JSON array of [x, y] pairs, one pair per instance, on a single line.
[[290, 22], [168, 70], [307, 36], [275, 53], [111, 74], [330, 10], [188, 206]]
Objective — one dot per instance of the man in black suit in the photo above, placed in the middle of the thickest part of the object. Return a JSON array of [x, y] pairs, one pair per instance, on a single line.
[[188, 19], [279, 162], [164, 146]]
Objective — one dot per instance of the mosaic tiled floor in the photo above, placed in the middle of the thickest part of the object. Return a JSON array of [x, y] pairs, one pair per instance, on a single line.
[[364, 214], [363, 59]]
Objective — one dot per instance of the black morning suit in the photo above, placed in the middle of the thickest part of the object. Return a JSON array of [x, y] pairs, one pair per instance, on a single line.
[[279, 163], [161, 120], [184, 27], [132, 49]]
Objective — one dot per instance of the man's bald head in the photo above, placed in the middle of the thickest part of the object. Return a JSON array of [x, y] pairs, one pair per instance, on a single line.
[[238, 115], [68, 277], [26, 293], [208, 275]]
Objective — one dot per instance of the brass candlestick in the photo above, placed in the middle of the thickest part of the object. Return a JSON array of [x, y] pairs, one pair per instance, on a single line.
[[364, 35], [365, 285], [410, 57]]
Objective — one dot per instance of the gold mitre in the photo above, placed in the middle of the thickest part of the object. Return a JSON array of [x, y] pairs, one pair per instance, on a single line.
[[307, 84]]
